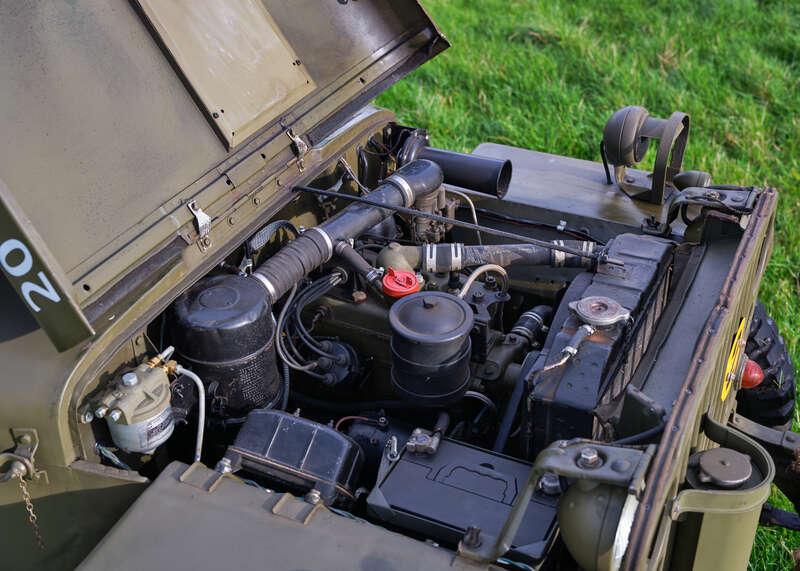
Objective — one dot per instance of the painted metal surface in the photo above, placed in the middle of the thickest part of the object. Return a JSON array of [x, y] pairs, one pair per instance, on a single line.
[[110, 140], [217, 45], [700, 395]]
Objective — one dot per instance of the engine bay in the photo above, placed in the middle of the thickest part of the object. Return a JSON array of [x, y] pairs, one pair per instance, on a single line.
[[375, 348]]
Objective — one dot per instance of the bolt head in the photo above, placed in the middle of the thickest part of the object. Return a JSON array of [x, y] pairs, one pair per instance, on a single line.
[[472, 537], [101, 411], [115, 414], [589, 458], [87, 417], [313, 497], [224, 466], [421, 439], [129, 379], [550, 484]]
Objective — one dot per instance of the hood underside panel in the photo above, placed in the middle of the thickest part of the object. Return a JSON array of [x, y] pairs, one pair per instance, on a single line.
[[114, 111]]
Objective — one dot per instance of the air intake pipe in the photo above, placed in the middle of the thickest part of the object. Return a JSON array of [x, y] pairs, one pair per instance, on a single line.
[[486, 175], [481, 174], [453, 257], [316, 246]]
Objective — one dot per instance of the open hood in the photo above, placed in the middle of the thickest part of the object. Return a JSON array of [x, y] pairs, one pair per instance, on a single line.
[[115, 115]]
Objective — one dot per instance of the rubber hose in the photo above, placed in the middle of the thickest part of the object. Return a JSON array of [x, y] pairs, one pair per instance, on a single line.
[[454, 257], [314, 247], [544, 314]]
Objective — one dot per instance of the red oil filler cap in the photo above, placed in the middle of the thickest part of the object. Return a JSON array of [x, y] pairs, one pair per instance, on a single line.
[[752, 375], [399, 283]]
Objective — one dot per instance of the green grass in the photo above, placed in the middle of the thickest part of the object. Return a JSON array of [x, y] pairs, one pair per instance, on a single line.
[[546, 75]]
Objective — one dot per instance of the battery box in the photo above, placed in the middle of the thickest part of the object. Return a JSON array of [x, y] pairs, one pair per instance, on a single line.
[[439, 496]]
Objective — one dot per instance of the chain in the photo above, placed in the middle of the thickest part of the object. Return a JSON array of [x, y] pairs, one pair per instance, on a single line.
[[26, 497]]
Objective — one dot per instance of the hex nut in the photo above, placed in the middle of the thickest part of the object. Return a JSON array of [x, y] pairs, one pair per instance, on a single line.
[[589, 458], [472, 537], [314, 497], [224, 466], [550, 484]]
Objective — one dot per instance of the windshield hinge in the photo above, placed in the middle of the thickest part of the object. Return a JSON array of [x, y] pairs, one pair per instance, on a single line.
[[300, 148], [203, 223]]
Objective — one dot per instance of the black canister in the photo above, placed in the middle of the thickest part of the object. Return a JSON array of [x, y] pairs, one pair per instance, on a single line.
[[431, 347], [223, 330]]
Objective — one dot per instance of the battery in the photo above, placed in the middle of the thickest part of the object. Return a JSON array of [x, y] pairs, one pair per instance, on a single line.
[[440, 496]]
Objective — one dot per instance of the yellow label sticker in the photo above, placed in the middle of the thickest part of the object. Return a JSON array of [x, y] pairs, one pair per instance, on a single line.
[[733, 360]]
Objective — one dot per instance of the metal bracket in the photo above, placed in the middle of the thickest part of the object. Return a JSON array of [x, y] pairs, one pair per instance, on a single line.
[[300, 148], [770, 515], [736, 201], [295, 509], [203, 224], [576, 459], [26, 442], [199, 476], [784, 449], [732, 501]]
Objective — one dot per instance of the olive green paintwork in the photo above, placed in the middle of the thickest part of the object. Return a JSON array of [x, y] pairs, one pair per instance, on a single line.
[[259, 521], [109, 146], [50, 387], [700, 396]]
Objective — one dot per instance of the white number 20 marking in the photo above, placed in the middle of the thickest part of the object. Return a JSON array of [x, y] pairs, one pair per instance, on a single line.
[[21, 268]]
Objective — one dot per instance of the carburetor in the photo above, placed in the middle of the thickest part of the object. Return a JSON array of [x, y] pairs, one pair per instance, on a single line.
[[137, 405]]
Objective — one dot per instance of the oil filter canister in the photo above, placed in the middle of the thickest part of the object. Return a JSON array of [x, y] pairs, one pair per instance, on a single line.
[[223, 330], [431, 347]]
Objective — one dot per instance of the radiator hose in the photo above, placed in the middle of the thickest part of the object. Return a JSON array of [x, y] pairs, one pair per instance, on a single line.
[[454, 257], [316, 246]]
